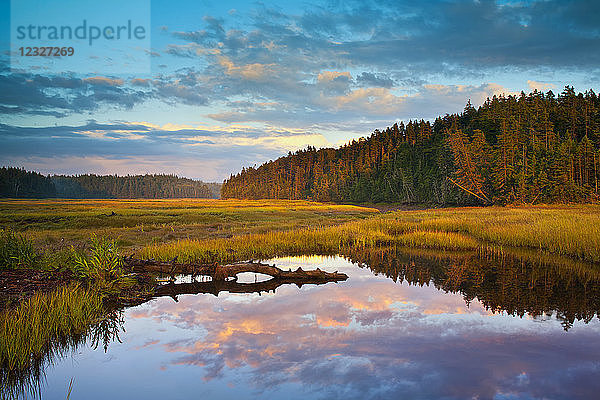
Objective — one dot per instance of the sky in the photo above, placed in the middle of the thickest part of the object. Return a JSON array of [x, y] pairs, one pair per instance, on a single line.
[[218, 85]]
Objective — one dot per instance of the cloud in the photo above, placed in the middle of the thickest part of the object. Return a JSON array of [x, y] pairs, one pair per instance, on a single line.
[[255, 71], [35, 94], [328, 76], [371, 100], [540, 86], [103, 81], [378, 80], [202, 151], [307, 61], [140, 82]]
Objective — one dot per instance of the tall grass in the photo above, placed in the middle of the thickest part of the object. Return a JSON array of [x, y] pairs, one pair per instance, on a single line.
[[39, 330], [321, 240], [101, 269], [16, 251], [103, 264], [566, 231], [572, 231], [253, 246], [27, 330]]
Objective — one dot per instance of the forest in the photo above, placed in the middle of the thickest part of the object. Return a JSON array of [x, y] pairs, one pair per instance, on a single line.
[[528, 148], [19, 183]]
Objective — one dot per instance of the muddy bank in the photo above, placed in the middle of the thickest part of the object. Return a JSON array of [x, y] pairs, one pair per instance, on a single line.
[[19, 284]]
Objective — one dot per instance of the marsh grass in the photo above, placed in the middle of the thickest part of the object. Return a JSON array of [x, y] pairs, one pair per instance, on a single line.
[[322, 240], [28, 329], [103, 265], [41, 329], [55, 225], [226, 230], [572, 231], [16, 251]]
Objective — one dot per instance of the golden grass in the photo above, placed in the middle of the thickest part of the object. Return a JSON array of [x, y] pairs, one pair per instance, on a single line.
[[196, 229], [27, 331], [572, 231], [322, 240], [56, 224], [252, 246]]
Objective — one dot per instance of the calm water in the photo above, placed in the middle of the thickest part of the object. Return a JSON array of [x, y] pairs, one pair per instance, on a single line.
[[439, 328]]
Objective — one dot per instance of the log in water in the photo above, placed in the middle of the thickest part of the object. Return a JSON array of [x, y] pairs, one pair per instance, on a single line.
[[222, 272]]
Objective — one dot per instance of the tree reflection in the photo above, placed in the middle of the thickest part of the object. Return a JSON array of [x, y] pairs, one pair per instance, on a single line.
[[517, 284]]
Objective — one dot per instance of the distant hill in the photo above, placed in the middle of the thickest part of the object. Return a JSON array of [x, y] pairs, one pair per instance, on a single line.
[[528, 148], [19, 183]]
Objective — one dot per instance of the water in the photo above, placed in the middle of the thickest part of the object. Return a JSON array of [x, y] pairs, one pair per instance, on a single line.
[[447, 328]]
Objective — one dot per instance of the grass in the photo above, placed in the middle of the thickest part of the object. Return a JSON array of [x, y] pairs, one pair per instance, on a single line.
[[16, 251], [227, 230], [306, 241], [41, 329], [56, 225], [572, 231], [27, 329]]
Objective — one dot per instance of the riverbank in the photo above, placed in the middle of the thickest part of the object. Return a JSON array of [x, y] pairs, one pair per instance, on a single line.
[[233, 230]]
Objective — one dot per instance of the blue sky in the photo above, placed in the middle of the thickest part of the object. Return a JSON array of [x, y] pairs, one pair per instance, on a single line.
[[233, 84]]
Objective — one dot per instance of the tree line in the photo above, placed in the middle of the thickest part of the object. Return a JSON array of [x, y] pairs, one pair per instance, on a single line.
[[527, 148], [19, 183]]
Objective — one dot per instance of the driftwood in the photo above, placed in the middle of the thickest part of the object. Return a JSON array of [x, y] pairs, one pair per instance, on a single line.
[[224, 277], [222, 272]]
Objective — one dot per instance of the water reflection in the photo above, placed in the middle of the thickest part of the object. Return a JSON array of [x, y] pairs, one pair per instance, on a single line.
[[27, 380], [370, 337], [406, 325], [517, 285]]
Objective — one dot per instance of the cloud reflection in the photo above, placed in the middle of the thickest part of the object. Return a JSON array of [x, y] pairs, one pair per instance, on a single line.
[[372, 338]]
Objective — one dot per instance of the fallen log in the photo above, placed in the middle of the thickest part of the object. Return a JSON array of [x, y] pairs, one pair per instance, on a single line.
[[232, 286], [222, 272]]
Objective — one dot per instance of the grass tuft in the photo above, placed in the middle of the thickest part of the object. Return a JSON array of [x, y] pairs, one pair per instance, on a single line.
[[16, 251]]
